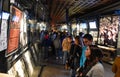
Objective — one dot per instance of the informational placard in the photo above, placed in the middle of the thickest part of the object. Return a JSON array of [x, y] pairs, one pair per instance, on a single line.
[[3, 35], [14, 31]]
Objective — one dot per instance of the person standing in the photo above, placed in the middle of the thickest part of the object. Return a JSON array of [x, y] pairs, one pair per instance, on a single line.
[[87, 40], [116, 66], [81, 34], [93, 66], [74, 56], [57, 45], [66, 44]]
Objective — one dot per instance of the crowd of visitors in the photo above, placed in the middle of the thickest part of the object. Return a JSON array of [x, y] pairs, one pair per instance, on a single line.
[[77, 53]]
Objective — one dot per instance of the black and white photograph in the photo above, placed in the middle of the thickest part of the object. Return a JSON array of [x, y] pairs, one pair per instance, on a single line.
[[108, 32], [3, 35]]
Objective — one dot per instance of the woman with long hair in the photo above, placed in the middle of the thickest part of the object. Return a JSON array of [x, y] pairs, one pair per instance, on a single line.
[[93, 65]]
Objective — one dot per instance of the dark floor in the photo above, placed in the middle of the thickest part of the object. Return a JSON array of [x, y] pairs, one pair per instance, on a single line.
[[108, 68], [55, 68], [55, 71]]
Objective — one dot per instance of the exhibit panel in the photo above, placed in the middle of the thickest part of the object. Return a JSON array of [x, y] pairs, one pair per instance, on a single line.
[[108, 37], [3, 35], [108, 31], [4, 16], [14, 30], [18, 69]]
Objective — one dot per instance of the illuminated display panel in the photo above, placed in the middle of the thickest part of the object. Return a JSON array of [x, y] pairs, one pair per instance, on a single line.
[[92, 25], [108, 31], [14, 31], [83, 27], [4, 15]]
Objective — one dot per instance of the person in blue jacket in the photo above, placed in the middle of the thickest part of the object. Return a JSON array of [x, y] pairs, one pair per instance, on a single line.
[[87, 40]]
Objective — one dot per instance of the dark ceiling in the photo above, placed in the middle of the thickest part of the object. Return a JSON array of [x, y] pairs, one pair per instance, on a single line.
[[55, 10]]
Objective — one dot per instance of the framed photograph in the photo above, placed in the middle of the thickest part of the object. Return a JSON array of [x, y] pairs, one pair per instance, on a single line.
[[14, 30], [3, 35], [108, 31]]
